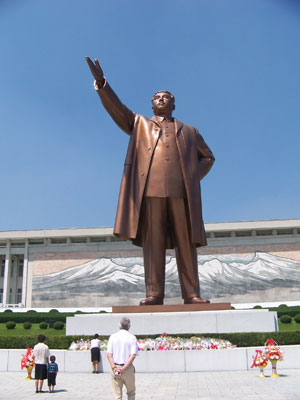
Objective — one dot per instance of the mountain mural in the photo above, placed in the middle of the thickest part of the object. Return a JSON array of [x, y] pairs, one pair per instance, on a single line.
[[119, 277]]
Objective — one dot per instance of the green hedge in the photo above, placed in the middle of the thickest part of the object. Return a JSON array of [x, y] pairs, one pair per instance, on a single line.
[[36, 317], [249, 339], [23, 342], [284, 310]]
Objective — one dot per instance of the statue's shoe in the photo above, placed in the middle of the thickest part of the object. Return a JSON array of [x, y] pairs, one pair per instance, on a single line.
[[151, 301], [195, 300]]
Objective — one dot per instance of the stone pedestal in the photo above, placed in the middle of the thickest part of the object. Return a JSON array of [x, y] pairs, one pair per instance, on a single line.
[[171, 308], [179, 322]]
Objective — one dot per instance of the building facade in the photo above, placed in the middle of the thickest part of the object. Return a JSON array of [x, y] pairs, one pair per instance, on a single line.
[[88, 267]]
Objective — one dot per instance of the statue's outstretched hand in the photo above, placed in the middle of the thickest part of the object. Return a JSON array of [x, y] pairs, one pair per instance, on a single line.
[[96, 70]]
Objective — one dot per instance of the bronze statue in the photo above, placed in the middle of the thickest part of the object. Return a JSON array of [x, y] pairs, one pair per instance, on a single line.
[[159, 204]]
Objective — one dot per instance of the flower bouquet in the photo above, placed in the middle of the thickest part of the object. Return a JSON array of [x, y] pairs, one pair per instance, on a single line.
[[274, 354], [27, 361], [271, 352], [260, 361], [166, 342]]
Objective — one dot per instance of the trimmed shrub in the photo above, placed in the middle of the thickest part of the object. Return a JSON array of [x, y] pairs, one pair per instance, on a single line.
[[286, 319], [282, 307], [27, 325], [297, 318], [53, 311], [257, 307], [58, 325], [10, 325], [8, 311], [43, 325]]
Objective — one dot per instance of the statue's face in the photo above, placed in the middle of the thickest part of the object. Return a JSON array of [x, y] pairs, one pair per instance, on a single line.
[[162, 104]]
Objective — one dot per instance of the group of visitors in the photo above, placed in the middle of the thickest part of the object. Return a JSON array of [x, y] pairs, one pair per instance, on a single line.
[[45, 366], [121, 351]]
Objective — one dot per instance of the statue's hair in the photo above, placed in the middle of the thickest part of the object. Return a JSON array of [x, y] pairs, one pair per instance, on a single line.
[[165, 91], [125, 324]]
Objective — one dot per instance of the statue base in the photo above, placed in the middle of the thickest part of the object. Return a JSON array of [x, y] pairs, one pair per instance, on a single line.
[[155, 320], [171, 308]]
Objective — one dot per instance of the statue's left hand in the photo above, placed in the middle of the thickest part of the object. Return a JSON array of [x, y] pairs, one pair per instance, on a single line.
[[96, 71]]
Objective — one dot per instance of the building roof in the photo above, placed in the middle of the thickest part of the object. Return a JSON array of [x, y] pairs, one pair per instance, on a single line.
[[215, 228]]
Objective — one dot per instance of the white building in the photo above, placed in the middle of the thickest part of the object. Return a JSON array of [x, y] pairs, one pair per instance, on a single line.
[[88, 267]]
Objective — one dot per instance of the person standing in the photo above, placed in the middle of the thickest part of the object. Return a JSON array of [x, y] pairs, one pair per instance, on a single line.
[[121, 352], [41, 358], [95, 353], [52, 373], [159, 204]]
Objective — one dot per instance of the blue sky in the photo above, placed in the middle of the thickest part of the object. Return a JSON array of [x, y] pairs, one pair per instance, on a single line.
[[233, 66]]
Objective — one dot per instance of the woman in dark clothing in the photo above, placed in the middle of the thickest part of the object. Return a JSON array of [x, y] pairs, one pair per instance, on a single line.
[[95, 353]]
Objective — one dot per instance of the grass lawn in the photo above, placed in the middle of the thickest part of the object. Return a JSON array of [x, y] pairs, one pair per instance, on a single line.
[[34, 331], [293, 326]]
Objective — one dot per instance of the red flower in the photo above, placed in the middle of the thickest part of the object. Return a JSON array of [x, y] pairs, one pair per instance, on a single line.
[[270, 342]]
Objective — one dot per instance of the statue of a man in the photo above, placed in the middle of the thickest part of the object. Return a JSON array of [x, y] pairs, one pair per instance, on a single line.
[[159, 204]]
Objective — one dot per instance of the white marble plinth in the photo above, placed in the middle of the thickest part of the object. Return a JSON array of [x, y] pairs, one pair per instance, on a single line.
[[176, 322], [238, 359]]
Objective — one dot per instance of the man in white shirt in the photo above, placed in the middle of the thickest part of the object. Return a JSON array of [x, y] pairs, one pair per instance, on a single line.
[[121, 351], [41, 358]]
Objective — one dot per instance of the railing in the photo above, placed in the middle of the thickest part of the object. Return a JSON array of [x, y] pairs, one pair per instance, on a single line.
[[19, 305]]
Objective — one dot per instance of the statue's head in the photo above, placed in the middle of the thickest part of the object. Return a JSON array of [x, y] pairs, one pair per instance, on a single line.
[[163, 103]]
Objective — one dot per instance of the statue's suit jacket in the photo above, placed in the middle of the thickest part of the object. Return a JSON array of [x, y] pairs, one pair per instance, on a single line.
[[195, 157]]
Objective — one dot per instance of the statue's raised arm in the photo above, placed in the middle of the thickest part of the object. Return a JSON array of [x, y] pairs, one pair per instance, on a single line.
[[122, 116]]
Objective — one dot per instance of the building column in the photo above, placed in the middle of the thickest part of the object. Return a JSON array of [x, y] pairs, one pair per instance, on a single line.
[[6, 274], [25, 275]]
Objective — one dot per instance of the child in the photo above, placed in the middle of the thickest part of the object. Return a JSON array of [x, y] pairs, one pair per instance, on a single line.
[[52, 372]]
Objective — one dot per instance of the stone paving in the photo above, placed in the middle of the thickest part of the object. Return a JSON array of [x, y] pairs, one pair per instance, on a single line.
[[232, 385]]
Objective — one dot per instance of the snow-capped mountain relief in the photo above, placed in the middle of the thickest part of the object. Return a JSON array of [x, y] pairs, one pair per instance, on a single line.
[[221, 276]]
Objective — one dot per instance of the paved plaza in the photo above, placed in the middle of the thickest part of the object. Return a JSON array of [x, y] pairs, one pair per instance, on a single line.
[[161, 386]]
